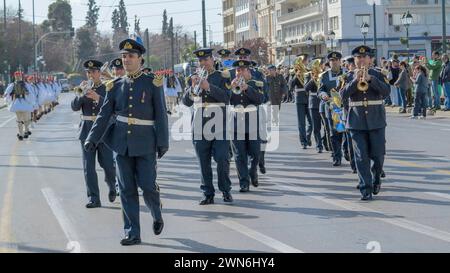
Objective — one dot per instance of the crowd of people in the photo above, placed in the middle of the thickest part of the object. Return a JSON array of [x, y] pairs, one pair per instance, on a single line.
[[416, 85], [30, 97]]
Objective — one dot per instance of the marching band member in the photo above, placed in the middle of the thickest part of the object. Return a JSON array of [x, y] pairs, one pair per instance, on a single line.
[[209, 91], [246, 96], [89, 102], [329, 80], [138, 135], [366, 121]]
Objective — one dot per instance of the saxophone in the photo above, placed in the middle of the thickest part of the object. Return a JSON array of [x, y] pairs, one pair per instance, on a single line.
[[316, 70]]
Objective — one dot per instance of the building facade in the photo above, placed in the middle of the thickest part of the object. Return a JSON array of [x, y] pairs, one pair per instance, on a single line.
[[229, 31], [306, 26], [267, 26]]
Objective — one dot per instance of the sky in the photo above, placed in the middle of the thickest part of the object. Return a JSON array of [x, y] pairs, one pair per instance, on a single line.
[[184, 12]]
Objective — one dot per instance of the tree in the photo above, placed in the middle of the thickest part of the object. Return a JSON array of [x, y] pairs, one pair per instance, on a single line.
[[123, 19], [137, 27], [170, 29], [259, 48], [92, 15], [60, 15], [115, 20], [165, 25], [85, 44]]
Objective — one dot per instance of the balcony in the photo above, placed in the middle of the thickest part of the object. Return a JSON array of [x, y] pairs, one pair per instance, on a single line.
[[302, 13]]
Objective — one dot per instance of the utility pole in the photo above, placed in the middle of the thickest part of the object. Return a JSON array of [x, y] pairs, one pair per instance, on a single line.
[[375, 33], [20, 34], [195, 40], [172, 47], [204, 23], [5, 61], [34, 34], [147, 42], [444, 29]]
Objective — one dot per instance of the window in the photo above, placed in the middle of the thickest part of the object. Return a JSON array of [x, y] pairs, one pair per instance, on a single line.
[[362, 18], [334, 23]]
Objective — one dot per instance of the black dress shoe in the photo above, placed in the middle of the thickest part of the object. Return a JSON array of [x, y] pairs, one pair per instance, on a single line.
[[92, 205], [376, 189], [262, 169], [112, 196], [255, 183], [158, 227], [207, 200], [383, 174], [358, 187], [130, 241], [28, 133], [309, 143], [319, 151], [25, 135], [227, 197], [244, 189], [19, 137], [354, 171], [367, 197], [337, 163], [347, 157], [305, 147]]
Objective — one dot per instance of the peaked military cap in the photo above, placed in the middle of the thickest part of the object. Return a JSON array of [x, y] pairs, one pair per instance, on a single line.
[[92, 65], [243, 52], [117, 63], [131, 46], [362, 51], [242, 63], [334, 55], [203, 53]]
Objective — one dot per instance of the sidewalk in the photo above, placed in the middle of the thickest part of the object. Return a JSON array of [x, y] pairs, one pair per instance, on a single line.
[[395, 110]]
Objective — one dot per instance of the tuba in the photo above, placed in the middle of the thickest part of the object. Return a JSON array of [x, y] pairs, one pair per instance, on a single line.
[[316, 70], [300, 70], [363, 85]]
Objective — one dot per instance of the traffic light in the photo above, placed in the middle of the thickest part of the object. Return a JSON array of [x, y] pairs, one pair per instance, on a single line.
[[72, 32]]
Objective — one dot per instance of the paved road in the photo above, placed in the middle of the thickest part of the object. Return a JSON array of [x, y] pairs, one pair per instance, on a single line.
[[302, 205]]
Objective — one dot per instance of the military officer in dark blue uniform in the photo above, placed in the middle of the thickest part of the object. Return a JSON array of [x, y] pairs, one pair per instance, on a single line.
[[297, 87], [209, 96], [116, 66], [138, 136], [330, 80], [366, 121], [89, 101], [247, 94], [348, 144], [313, 106]]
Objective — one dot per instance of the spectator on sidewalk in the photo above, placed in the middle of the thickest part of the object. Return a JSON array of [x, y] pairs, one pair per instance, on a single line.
[[445, 80], [402, 84], [420, 81], [2, 88], [435, 67], [393, 77]]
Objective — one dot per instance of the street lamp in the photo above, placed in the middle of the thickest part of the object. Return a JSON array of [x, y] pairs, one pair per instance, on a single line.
[[365, 30], [332, 36], [289, 50], [309, 42], [407, 20]]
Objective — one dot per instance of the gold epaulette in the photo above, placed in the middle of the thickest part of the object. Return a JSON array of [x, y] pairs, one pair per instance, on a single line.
[[226, 74], [109, 85], [158, 80]]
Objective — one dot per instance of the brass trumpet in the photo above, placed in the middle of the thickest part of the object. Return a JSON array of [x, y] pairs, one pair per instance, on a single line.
[[363, 85], [203, 74], [237, 90], [84, 87], [106, 72]]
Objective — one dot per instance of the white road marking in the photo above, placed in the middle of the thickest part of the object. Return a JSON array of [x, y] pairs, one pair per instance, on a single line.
[[264, 239], [7, 121], [33, 158], [406, 224], [63, 221], [439, 194]]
